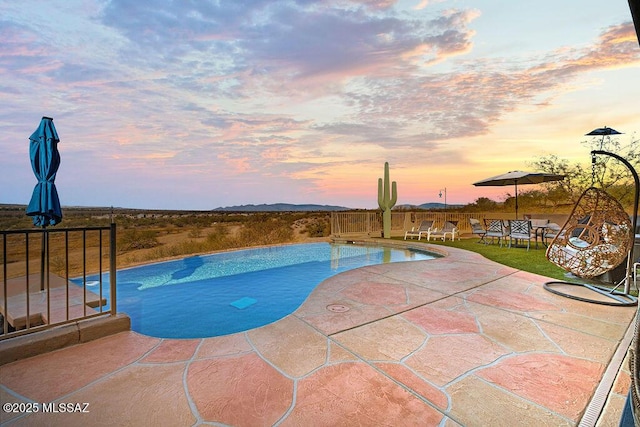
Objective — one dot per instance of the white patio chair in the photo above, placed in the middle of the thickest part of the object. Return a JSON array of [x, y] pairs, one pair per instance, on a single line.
[[450, 228], [477, 229], [423, 230], [520, 229]]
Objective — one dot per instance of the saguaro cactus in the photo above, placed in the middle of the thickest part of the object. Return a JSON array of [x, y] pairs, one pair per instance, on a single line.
[[386, 200]]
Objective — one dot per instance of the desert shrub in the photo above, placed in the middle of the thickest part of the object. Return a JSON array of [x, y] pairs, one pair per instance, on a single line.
[[219, 239], [265, 230], [318, 227], [195, 232], [17, 222], [137, 239], [214, 241]]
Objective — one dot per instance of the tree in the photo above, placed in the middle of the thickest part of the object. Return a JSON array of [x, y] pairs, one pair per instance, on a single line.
[[574, 183], [612, 175], [482, 204], [606, 172]]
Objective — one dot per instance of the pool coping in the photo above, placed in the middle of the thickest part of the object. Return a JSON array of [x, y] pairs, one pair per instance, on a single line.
[[66, 335]]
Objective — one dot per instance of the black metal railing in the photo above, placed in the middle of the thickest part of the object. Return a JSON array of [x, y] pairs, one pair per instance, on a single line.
[[44, 277]]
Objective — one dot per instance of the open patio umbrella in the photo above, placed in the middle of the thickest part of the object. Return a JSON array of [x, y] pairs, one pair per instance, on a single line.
[[605, 131], [518, 177], [44, 206]]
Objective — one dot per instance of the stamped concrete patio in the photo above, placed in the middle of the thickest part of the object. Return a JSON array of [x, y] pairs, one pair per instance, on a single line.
[[458, 340]]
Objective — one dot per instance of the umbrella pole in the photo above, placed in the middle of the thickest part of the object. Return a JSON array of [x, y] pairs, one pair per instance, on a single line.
[[516, 199], [42, 257]]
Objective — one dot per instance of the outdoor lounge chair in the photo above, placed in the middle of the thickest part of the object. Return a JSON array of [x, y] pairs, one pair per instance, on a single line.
[[423, 230], [450, 228], [496, 228], [520, 229], [477, 229]]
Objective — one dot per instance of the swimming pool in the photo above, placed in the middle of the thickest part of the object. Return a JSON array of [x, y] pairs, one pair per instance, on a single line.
[[224, 293]]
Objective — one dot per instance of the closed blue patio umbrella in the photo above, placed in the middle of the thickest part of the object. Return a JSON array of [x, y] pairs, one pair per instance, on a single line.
[[44, 206]]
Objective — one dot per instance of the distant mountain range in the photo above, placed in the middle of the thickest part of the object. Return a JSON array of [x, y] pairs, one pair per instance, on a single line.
[[281, 207], [288, 207]]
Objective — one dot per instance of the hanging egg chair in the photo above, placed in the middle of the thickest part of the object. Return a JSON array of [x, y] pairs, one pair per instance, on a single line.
[[595, 239]]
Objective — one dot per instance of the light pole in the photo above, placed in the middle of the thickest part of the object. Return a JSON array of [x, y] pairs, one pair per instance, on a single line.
[[445, 202]]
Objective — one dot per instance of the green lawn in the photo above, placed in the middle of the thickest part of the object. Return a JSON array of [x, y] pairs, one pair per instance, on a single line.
[[532, 260]]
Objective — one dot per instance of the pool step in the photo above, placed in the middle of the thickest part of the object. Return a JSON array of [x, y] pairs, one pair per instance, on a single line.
[[244, 302]]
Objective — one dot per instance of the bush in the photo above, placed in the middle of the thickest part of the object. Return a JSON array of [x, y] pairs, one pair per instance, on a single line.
[[132, 239], [318, 227], [265, 230], [218, 239], [195, 232]]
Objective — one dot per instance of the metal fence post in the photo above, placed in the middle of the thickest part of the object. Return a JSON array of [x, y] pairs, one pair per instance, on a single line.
[[112, 267]]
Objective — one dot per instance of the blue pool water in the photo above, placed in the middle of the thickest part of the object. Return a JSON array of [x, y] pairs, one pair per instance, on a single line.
[[224, 293]]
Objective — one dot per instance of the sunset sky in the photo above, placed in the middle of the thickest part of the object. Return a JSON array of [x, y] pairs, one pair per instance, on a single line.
[[204, 104]]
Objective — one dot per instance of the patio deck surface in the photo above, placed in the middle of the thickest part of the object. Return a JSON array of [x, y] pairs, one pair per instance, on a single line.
[[458, 340]]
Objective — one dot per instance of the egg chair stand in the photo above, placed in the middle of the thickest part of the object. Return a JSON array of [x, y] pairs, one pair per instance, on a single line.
[[597, 237]]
